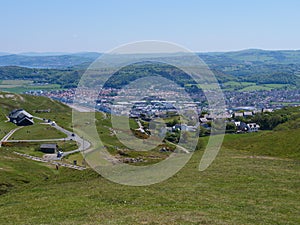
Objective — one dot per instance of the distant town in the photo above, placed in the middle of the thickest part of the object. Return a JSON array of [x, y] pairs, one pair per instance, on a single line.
[[239, 105], [251, 100]]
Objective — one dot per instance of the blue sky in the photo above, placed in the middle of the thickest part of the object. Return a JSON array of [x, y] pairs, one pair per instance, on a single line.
[[98, 25]]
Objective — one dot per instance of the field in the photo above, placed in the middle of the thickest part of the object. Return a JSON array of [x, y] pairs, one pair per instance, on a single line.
[[256, 88], [250, 86], [37, 132], [14, 83], [20, 86], [238, 188], [254, 180]]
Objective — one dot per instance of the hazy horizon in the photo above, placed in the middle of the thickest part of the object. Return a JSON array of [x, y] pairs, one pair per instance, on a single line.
[[47, 53]]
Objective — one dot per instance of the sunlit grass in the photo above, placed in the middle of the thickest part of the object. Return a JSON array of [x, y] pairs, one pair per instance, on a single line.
[[37, 132], [235, 189]]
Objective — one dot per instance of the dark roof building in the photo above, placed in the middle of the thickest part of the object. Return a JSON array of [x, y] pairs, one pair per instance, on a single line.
[[20, 117], [48, 148]]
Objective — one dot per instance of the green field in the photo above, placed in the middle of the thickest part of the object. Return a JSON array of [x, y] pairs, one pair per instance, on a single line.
[[238, 188], [37, 132], [20, 86], [256, 88], [250, 86], [254, 180], [275, 86], [211, 86], [234, 85], [15, 82]]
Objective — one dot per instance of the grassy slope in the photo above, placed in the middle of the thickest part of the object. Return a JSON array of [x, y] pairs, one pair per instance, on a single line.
[[33, 148], [284, 144], [60, 113], [236, 189], [36, 132], [5, 127]]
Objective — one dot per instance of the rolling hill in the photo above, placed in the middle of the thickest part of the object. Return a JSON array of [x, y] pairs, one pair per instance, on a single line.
[[254, 180], [58, 111], [257, 66], [32, 60]]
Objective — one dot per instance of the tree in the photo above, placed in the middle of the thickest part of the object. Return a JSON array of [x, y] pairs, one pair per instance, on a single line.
[[230, 127]]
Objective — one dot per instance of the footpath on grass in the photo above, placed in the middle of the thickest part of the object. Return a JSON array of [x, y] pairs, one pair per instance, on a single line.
[[38, 159]]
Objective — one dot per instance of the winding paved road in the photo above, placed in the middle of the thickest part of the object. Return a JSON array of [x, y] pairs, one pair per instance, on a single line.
[[82, 143], [8, 135]]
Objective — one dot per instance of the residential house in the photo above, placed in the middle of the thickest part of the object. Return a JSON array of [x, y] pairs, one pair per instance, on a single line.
[[267, 110], [20, 117], [238, 114], [253, 127], [248, 114], [185, 127], [243, 127]]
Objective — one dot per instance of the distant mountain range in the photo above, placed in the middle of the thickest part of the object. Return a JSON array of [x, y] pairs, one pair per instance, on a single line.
[[66, 60], [4, 53], [254, 56], [253, 65], [47, 60]]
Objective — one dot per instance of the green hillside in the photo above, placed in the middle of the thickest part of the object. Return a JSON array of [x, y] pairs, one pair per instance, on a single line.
[[266, 69], [48, 61], [59, 112], [237, 189], [254, 180], [283, 144]]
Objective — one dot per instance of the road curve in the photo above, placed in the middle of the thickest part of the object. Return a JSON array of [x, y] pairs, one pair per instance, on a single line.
[[8, 135], [82, 143]]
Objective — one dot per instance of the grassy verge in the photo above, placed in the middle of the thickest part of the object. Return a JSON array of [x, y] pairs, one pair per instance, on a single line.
[[75, 157], [5, 127], [37, 132]]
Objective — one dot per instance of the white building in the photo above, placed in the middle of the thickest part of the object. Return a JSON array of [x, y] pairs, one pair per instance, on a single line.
[[253, 127]]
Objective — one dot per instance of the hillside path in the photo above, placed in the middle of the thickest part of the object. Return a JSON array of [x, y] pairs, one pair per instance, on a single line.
[[8, 135]]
